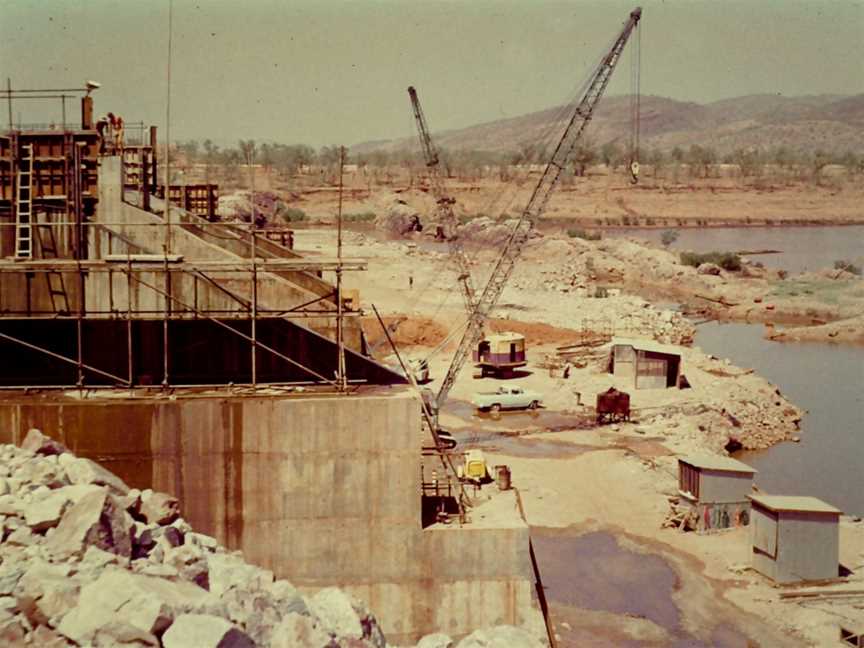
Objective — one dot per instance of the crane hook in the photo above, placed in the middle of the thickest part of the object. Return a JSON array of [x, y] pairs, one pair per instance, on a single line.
[[634, 172]]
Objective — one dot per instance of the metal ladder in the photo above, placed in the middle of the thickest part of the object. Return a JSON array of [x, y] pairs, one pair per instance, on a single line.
[[54, 278], [23, 207]]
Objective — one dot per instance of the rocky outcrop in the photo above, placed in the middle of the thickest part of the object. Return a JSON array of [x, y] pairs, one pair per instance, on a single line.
[[87, 561]]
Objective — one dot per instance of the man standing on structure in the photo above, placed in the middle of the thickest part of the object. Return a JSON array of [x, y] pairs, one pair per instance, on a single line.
[[101, 127], [117, 131]]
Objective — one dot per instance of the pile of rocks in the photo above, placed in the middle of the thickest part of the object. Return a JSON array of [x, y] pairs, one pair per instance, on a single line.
[[87, 561]]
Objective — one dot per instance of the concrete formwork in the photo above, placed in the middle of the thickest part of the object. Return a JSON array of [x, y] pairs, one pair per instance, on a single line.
[[322, 489]]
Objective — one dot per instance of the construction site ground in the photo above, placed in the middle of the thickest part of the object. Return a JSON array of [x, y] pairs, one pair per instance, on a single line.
[[596, 497]]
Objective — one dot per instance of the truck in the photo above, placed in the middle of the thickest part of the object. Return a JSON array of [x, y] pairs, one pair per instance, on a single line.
[[507, 398]]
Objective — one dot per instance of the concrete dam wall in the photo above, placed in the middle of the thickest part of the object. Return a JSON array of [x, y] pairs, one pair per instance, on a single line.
[[323, 489]]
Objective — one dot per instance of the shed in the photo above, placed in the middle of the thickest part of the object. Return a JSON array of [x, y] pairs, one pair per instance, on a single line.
[[500, 352], [795, 538], [717, 490], [649, 364]]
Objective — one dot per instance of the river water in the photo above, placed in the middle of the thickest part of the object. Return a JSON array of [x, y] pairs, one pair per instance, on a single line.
[[825, 379], [802, 248]]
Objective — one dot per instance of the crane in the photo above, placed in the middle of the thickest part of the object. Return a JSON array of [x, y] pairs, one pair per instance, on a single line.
[[580, 116], [444, 203]]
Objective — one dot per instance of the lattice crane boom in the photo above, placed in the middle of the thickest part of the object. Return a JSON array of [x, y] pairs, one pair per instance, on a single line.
[[444, 204], [580, 117]]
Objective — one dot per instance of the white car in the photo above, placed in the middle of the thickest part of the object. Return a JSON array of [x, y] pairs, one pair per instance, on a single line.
[[507, 398]]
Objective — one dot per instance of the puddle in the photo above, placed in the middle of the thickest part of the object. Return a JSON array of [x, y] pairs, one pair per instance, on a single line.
[[533, 448], [593, 572], [518, 421]]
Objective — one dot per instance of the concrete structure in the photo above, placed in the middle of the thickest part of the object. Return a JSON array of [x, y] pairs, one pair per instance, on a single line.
[[648, 364], [295, 484], [795, 538], [717, 491]]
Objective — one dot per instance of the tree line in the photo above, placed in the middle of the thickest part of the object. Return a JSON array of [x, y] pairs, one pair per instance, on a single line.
[[696, 161]]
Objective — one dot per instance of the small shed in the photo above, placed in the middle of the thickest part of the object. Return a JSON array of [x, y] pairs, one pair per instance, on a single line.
[[649, 364], [500, 353], [795, 538], [716, 489]]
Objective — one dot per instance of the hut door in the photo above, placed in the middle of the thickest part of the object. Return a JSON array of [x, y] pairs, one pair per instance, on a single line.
[[512, 352], [764, 531]]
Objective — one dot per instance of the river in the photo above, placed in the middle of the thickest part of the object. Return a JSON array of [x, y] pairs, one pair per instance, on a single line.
[[802, 248]]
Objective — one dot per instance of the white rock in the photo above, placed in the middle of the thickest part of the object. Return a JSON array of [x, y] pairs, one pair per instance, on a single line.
[[335, 610], [227, 571], [85, 471], [204, 631], [298, 631], [437, 640]]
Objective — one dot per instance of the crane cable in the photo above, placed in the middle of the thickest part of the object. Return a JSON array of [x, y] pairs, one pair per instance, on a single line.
[[635, 102]]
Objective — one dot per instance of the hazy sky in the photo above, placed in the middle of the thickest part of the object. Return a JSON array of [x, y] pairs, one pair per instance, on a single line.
[[330, 72]]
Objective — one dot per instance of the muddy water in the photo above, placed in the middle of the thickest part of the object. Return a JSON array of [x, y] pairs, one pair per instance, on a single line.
[[515, 421], [593, 571], [803, 248], [825, 379]]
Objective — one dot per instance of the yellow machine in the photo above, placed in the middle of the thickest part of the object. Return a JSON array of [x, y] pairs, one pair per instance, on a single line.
[[474, 469]]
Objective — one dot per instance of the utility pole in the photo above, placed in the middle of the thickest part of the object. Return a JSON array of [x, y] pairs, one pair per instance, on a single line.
[[341, 379]]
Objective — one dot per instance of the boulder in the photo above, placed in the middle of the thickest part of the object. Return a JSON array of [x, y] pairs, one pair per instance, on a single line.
[[709, 269], [204, 631], [85, 471], [11, 631], [45, 637], [38, 443], [335, 611], [97, 520], [299, 631], [123, 634], [160, 509], [437, 640], [147, 603], [227, 571], [46, 511], [500, 637]]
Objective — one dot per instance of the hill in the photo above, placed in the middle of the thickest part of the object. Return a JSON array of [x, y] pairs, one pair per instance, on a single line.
[[831, 123]]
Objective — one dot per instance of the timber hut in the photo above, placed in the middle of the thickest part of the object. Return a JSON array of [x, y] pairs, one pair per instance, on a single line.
[[795, 538], [500, 353], [649, 364], [716, 491]]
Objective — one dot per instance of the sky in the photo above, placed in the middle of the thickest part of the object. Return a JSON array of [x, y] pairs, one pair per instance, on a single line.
[[331, 72]]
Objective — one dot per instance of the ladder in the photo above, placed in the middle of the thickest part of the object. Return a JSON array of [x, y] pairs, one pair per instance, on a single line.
[[54, 278], [23, 207]]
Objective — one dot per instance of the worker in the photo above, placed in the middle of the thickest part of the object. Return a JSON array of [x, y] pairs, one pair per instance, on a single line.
[[567, 368], [102, 125], [117, 130], [410, 281]]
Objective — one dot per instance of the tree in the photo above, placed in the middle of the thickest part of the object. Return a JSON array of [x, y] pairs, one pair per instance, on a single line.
[[211, 151], [583, 156], [668, 237]]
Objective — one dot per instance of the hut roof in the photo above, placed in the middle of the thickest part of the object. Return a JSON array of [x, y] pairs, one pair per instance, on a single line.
[[716, 462], [802, 503], [647, 345]]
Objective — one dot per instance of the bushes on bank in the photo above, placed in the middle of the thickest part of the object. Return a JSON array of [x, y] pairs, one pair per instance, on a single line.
[[576, 232], [727, 260]]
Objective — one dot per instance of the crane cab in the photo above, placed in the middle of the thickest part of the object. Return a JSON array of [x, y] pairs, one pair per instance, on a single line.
[[500, 353]]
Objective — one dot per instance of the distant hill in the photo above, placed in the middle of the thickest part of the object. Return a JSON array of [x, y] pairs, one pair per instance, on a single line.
[[832, 123]]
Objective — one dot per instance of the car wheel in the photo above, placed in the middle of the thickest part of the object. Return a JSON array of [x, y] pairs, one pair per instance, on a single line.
[[496, 407], [533, 405]]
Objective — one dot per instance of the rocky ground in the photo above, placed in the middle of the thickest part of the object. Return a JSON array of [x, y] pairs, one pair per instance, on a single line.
[[87, 561]]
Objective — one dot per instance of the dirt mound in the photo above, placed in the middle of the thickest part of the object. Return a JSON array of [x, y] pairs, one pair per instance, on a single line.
[[405, 331]]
